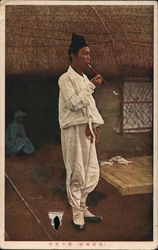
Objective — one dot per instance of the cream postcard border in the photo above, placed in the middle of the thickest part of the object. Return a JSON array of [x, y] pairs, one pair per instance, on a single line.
[[74, 244]]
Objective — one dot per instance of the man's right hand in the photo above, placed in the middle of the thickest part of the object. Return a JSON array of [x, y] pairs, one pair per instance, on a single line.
[[97, 80], [89, 133]]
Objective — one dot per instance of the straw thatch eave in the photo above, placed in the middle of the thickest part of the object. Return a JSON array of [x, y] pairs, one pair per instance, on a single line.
[[120, 38]]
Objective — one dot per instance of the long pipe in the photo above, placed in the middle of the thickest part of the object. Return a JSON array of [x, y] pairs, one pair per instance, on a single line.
[[115, 93]]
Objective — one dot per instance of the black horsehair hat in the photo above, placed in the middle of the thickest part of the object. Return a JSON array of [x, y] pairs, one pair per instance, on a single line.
[[77, 43]]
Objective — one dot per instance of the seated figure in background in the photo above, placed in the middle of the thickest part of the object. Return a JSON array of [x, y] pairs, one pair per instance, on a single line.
[[16, 141]]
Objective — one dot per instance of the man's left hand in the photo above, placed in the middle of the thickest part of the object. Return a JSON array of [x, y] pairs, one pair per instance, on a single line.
[[97, 80]]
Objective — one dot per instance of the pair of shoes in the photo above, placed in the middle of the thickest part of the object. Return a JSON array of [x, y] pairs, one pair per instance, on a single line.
[[79, 227], [89, 217]]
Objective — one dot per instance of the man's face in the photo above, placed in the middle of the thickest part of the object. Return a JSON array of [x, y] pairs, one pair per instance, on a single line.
[[83, 58]]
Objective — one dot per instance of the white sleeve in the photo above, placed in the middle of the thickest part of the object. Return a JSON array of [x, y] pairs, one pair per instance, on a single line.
[[74, 101]]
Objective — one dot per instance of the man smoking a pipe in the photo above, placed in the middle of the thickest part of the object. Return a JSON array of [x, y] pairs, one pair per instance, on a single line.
[[79, 121]]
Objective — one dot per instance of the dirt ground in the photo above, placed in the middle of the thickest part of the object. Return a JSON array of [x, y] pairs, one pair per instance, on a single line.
[[41, 181]]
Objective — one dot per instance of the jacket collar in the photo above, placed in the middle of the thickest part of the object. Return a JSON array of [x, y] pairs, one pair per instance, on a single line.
[[73, 73]]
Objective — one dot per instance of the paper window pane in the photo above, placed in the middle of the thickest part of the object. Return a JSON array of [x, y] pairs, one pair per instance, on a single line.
[[137, 106]]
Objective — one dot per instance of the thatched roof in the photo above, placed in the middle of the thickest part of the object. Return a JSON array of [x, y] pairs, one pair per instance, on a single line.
[[120, 38]]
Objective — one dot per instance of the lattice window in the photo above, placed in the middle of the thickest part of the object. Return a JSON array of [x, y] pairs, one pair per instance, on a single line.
[[137, 106]]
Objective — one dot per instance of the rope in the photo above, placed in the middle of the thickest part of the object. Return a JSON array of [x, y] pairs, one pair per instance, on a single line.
[[106, 28], [115, 50]]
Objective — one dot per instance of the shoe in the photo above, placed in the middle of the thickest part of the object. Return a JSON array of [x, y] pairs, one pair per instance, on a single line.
[[79, 227], [89, 217], [94, 219], [78, 219]]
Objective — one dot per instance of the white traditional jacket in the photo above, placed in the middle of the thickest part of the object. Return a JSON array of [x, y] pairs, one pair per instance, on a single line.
[[76, 103]]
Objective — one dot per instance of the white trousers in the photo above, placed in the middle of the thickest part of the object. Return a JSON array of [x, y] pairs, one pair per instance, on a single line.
[[82, 168]]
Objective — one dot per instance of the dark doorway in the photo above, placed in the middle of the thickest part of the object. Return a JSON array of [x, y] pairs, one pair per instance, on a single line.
[[38, 97]]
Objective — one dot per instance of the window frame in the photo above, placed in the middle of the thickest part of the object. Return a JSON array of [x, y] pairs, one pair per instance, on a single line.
[[122, 102]]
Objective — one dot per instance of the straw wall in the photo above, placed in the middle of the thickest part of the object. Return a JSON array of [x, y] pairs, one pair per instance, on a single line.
[[120, 38]]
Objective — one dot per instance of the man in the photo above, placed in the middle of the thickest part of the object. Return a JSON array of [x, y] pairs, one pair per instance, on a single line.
[[79, 118], [16, 140]]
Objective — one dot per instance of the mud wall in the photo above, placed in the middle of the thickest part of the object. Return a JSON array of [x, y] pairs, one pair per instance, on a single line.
[[112, 140]]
